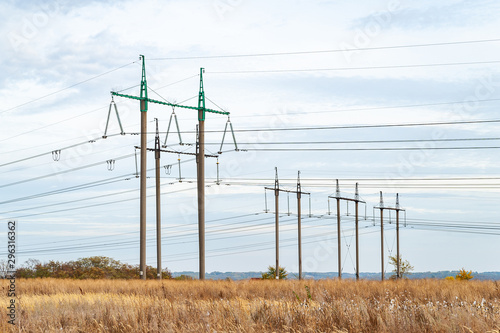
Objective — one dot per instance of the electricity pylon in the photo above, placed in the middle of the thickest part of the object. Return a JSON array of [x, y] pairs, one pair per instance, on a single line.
[[381, 206], [356, 200], [200, 151], [299, 192]]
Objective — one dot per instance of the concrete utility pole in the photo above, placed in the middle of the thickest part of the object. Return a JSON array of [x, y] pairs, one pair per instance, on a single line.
[[382, 207], [144, 131], [201, 174], [299, 212], [356, 200], [277, 220], [339, 239], [158, 203], [398, 275], [382, 234]]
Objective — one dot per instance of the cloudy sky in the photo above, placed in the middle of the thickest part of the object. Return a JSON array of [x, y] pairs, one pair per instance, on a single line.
[[399, 96]]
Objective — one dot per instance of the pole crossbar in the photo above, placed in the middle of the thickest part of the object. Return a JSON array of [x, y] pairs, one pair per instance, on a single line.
[[176, 152], [347, 199], [169, 104], [288, 191]]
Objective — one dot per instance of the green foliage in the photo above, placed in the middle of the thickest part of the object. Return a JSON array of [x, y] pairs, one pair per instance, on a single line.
[[184, 277], [309, 296], [404, 267], [308, 293], [85, 268], [463, 275], [271, 273]]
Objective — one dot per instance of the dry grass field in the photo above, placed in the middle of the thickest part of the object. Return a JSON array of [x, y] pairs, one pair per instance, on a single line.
[[50, 305]]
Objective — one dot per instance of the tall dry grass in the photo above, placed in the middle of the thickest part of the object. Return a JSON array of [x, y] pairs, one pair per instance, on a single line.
[[50, 305]]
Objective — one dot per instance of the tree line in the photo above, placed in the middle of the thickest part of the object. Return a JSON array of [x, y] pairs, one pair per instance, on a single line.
[[97, 267]]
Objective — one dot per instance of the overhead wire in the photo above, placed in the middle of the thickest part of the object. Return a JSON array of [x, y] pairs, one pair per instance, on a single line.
[[354, 68], [66, 88], [328, 51]]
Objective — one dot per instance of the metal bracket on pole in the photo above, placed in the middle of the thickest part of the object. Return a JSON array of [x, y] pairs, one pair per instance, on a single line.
[[174, 116], [117, 117], [232, 133]]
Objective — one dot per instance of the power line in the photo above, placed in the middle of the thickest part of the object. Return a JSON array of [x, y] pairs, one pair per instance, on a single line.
[[358, 141], [60, 149], [329, 51], [356, 68], [369, 149], [64, 89], [311, 128], [63, 172], [369, 108]]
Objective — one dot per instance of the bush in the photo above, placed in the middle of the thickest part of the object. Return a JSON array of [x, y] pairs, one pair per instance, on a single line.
[[271, 273], [463, 275]]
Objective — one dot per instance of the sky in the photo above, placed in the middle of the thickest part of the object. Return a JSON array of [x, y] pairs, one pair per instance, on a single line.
[[398, 96]]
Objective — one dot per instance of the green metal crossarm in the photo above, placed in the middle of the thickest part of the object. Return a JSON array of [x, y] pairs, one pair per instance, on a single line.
[[167, 103]]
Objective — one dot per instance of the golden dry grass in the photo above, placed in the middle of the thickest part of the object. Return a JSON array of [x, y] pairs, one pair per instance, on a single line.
[[50, 305]]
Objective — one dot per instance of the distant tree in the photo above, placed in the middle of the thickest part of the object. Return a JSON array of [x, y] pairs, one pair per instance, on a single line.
[[97, 267], [449, 278], [184, 277], [463, 275], [404, 267], [271, 273], [3, 268]]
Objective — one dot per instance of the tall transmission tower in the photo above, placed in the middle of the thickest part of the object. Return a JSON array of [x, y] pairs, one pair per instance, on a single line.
[[200, 151]]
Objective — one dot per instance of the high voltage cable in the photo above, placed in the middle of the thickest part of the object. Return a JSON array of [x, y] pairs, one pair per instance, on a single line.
[[355, 68], [215, 250], [311, 128], [256, 250], [357, 141], [370, 149], [170, 237], [368, 108], [70, 189], [91, 206], [323, 217], [64, 171], [67, 147], [69, 87], [85, 113], [329, 51], [322, 128], [127, 244], [151, 229], [52, 124]]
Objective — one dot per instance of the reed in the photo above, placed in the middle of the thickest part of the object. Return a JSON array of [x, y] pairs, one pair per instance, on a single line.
[[54, 305]]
